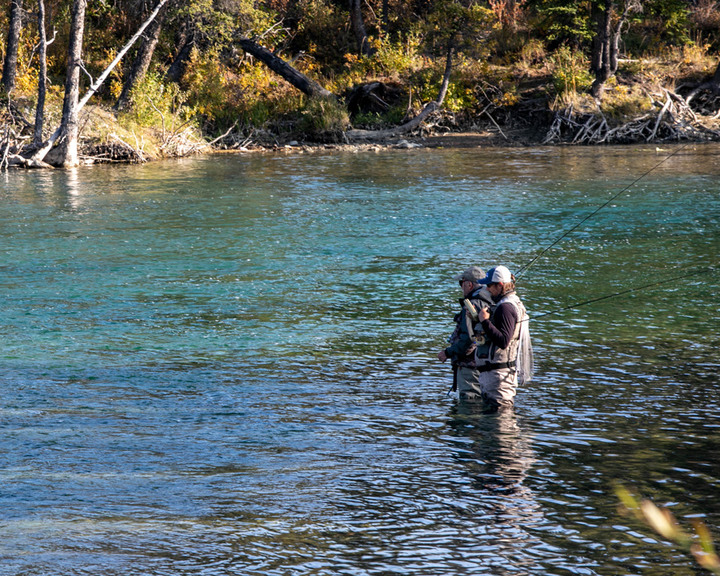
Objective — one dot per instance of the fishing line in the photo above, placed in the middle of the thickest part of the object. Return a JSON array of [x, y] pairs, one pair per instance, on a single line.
[[523, 268], [706, 270]]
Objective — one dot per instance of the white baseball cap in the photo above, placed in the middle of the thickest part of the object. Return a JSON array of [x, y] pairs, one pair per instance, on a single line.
[[497, 274]]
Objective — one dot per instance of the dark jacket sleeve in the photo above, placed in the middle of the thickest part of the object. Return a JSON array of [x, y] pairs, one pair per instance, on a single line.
[[458, 349], [499, 329]]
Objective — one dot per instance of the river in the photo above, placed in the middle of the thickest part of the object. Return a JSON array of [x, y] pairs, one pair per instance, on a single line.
[[226, 365]]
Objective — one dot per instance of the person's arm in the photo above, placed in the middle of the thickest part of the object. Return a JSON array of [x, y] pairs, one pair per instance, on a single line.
[[458, 349]]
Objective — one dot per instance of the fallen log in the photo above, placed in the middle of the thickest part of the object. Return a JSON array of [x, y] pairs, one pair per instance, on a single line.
[[282, 68], [391, 132]]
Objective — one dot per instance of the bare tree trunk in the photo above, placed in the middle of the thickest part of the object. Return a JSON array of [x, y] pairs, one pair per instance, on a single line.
[[597, 16], [446, 75], [386, 16], [601, 50], [11, 50], [42, 76], [713, 85], [606, 44], [358, 26], [279, 66], [67, 155], [177, 68], [142, 60], [615, 42]]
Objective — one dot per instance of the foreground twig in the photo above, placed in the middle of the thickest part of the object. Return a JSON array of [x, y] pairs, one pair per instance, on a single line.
[[661, 520]]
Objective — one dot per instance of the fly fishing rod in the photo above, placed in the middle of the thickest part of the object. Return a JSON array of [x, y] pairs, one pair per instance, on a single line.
[[571, 230], [518, 274]]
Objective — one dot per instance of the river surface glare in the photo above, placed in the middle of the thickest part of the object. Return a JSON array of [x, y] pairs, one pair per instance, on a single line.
[[227, 365]]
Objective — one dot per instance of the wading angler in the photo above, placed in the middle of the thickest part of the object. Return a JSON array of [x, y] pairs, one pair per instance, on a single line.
[[467, 338], [509, 360], [490, 348]]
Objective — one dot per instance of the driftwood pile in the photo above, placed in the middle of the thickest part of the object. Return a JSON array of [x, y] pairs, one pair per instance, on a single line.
[[115, 150], [14, 135], [671, 119]]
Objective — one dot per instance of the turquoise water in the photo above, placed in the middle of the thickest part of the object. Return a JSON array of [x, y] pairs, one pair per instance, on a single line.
[[226, 365]]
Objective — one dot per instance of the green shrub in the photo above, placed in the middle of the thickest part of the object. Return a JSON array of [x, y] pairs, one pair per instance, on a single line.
[[155, 103], [532, 55], [391, 60], [324, 119], [460, 94], [376, 121], [569, 71]]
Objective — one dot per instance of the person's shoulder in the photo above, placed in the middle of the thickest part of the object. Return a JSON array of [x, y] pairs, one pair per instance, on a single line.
[[508, 308], [481, 296]]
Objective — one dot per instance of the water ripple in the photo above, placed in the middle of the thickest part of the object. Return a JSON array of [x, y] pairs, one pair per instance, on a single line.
[[227, 366]]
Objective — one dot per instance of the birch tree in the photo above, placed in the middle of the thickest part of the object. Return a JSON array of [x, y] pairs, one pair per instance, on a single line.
[[66, 153], [42, 76]]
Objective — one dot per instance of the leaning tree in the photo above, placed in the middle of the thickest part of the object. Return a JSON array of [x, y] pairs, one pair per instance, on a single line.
[[65, 153]]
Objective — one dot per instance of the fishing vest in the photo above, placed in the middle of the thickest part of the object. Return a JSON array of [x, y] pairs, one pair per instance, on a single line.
[[479, 298], [506, 357]]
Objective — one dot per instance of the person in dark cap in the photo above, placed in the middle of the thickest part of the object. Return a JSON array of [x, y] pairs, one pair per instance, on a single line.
[[465, 339]]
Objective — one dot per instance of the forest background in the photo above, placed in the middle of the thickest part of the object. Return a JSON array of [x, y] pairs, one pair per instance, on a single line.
[[244, 73]]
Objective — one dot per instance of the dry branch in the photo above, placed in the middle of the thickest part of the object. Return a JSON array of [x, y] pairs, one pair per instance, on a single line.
[[671, 120], [136, 150]]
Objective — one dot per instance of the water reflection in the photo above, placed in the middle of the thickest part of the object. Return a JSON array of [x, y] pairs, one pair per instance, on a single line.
[[72, 183], [497, 451]]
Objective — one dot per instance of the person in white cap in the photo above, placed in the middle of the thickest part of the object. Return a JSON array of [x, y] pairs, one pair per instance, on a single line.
[[506, 330], [463, 343]]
